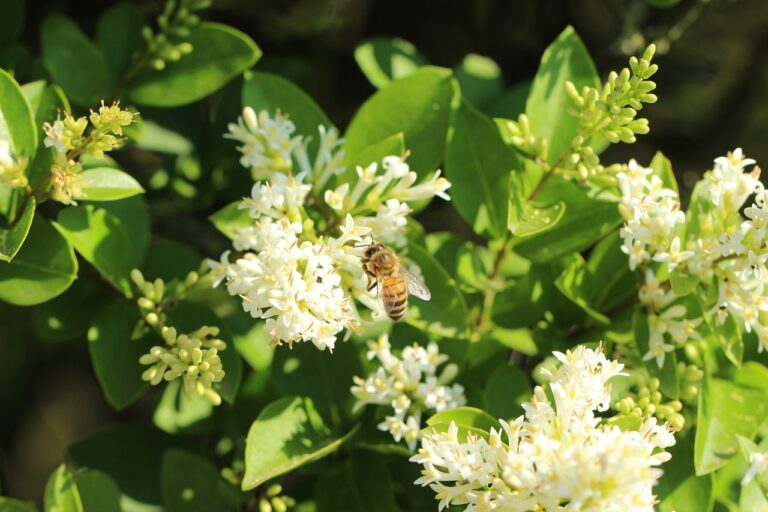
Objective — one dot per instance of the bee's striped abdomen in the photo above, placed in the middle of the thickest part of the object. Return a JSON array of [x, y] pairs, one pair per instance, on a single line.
[[394, 296]]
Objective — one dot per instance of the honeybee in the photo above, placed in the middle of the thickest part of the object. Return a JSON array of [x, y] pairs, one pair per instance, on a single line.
[[394, 281]]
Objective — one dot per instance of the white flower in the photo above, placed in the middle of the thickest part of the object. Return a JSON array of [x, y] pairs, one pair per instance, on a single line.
[[335, 198], [731, 244], [54, 134], [282, 196], [727, 185], [293, 285], [758, 464], [389, 223], [267, 143], [410, 385], [673, 256], [558, 456]]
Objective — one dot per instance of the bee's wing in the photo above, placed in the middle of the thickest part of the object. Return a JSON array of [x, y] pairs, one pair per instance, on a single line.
[[416, 286]]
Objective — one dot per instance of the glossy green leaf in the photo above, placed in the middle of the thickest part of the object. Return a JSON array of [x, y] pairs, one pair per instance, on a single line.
[[548, 106], [725, 411], [287, 434], [392, 145], [384, 59], [43, 268], [17, 123], [230, 219], [679, 488], [358, 483], [480, 80], [465, 417], [220, 53], [61, 494], [662, 168], [419, 106], [12, 505], [585, 221], [264, 91], [116, 341], [506, 390], [132, 456], [118, 35], [323, 377], [445, 314], [176, 411], [107, 184], [75, 62], [168, 260], [667, 374], [683, 282], [191, 483], [107, 241], [70, 314], [537, 220], [13, 236], [478, 165], [578, 283], [97, 491]]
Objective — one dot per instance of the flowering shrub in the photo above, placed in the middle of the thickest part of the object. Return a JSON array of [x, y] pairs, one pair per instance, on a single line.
[[592, 339]]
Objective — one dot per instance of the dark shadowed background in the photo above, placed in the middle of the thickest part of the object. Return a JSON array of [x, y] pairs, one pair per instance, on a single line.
[[712, 98]]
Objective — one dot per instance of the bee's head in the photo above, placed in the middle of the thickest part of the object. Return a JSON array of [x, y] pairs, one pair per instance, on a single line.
[[373, 249]]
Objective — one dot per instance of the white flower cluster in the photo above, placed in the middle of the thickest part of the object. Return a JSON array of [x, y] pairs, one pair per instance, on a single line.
[[11, 170], [193, 357], [410, 385], [720, 243], [558, 457], [300, 272]]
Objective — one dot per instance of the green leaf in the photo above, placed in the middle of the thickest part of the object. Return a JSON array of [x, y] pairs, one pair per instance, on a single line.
[[97, 491], [361, 483], [191, 483], [264, 91], [46, 103], [548, 105], [132, 456], [177, 412], [392, 145], [667, 374], [512, 102], [287, 434], [478, 165], [220, 53], [585, 221], [75, 62], [118, 34], [419, 106], [321, 376], [12, 505], [230, 219], [116, 341], [384, 59], [17, 124], [465, 417], [480, 80], [578, 283], [168, 260], [12, 237], [43, 268], [725, 411], [613, 284], [662, 168], [683, 282], [107, 184], [506, 390], [114, 243], [190, 316], [61, 494], [729, 336], [445, 314], [679, 488], [12, 21], [70, 314], [536, 220]]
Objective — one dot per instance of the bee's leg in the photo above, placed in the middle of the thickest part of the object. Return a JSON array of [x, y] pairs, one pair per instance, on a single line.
[[371, 283]]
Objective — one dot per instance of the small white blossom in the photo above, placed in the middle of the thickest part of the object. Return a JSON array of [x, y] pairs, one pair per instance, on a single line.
[[267, 142], [11, 170], [727, 185], [410, 385], [559, 456], [673, 256]]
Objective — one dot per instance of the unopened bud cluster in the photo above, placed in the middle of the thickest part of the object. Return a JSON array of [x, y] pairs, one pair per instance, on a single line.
[[168, 44], [648, 402], [272, 500], [156, 295], [70, 137], [193, 357], [519, 134]]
